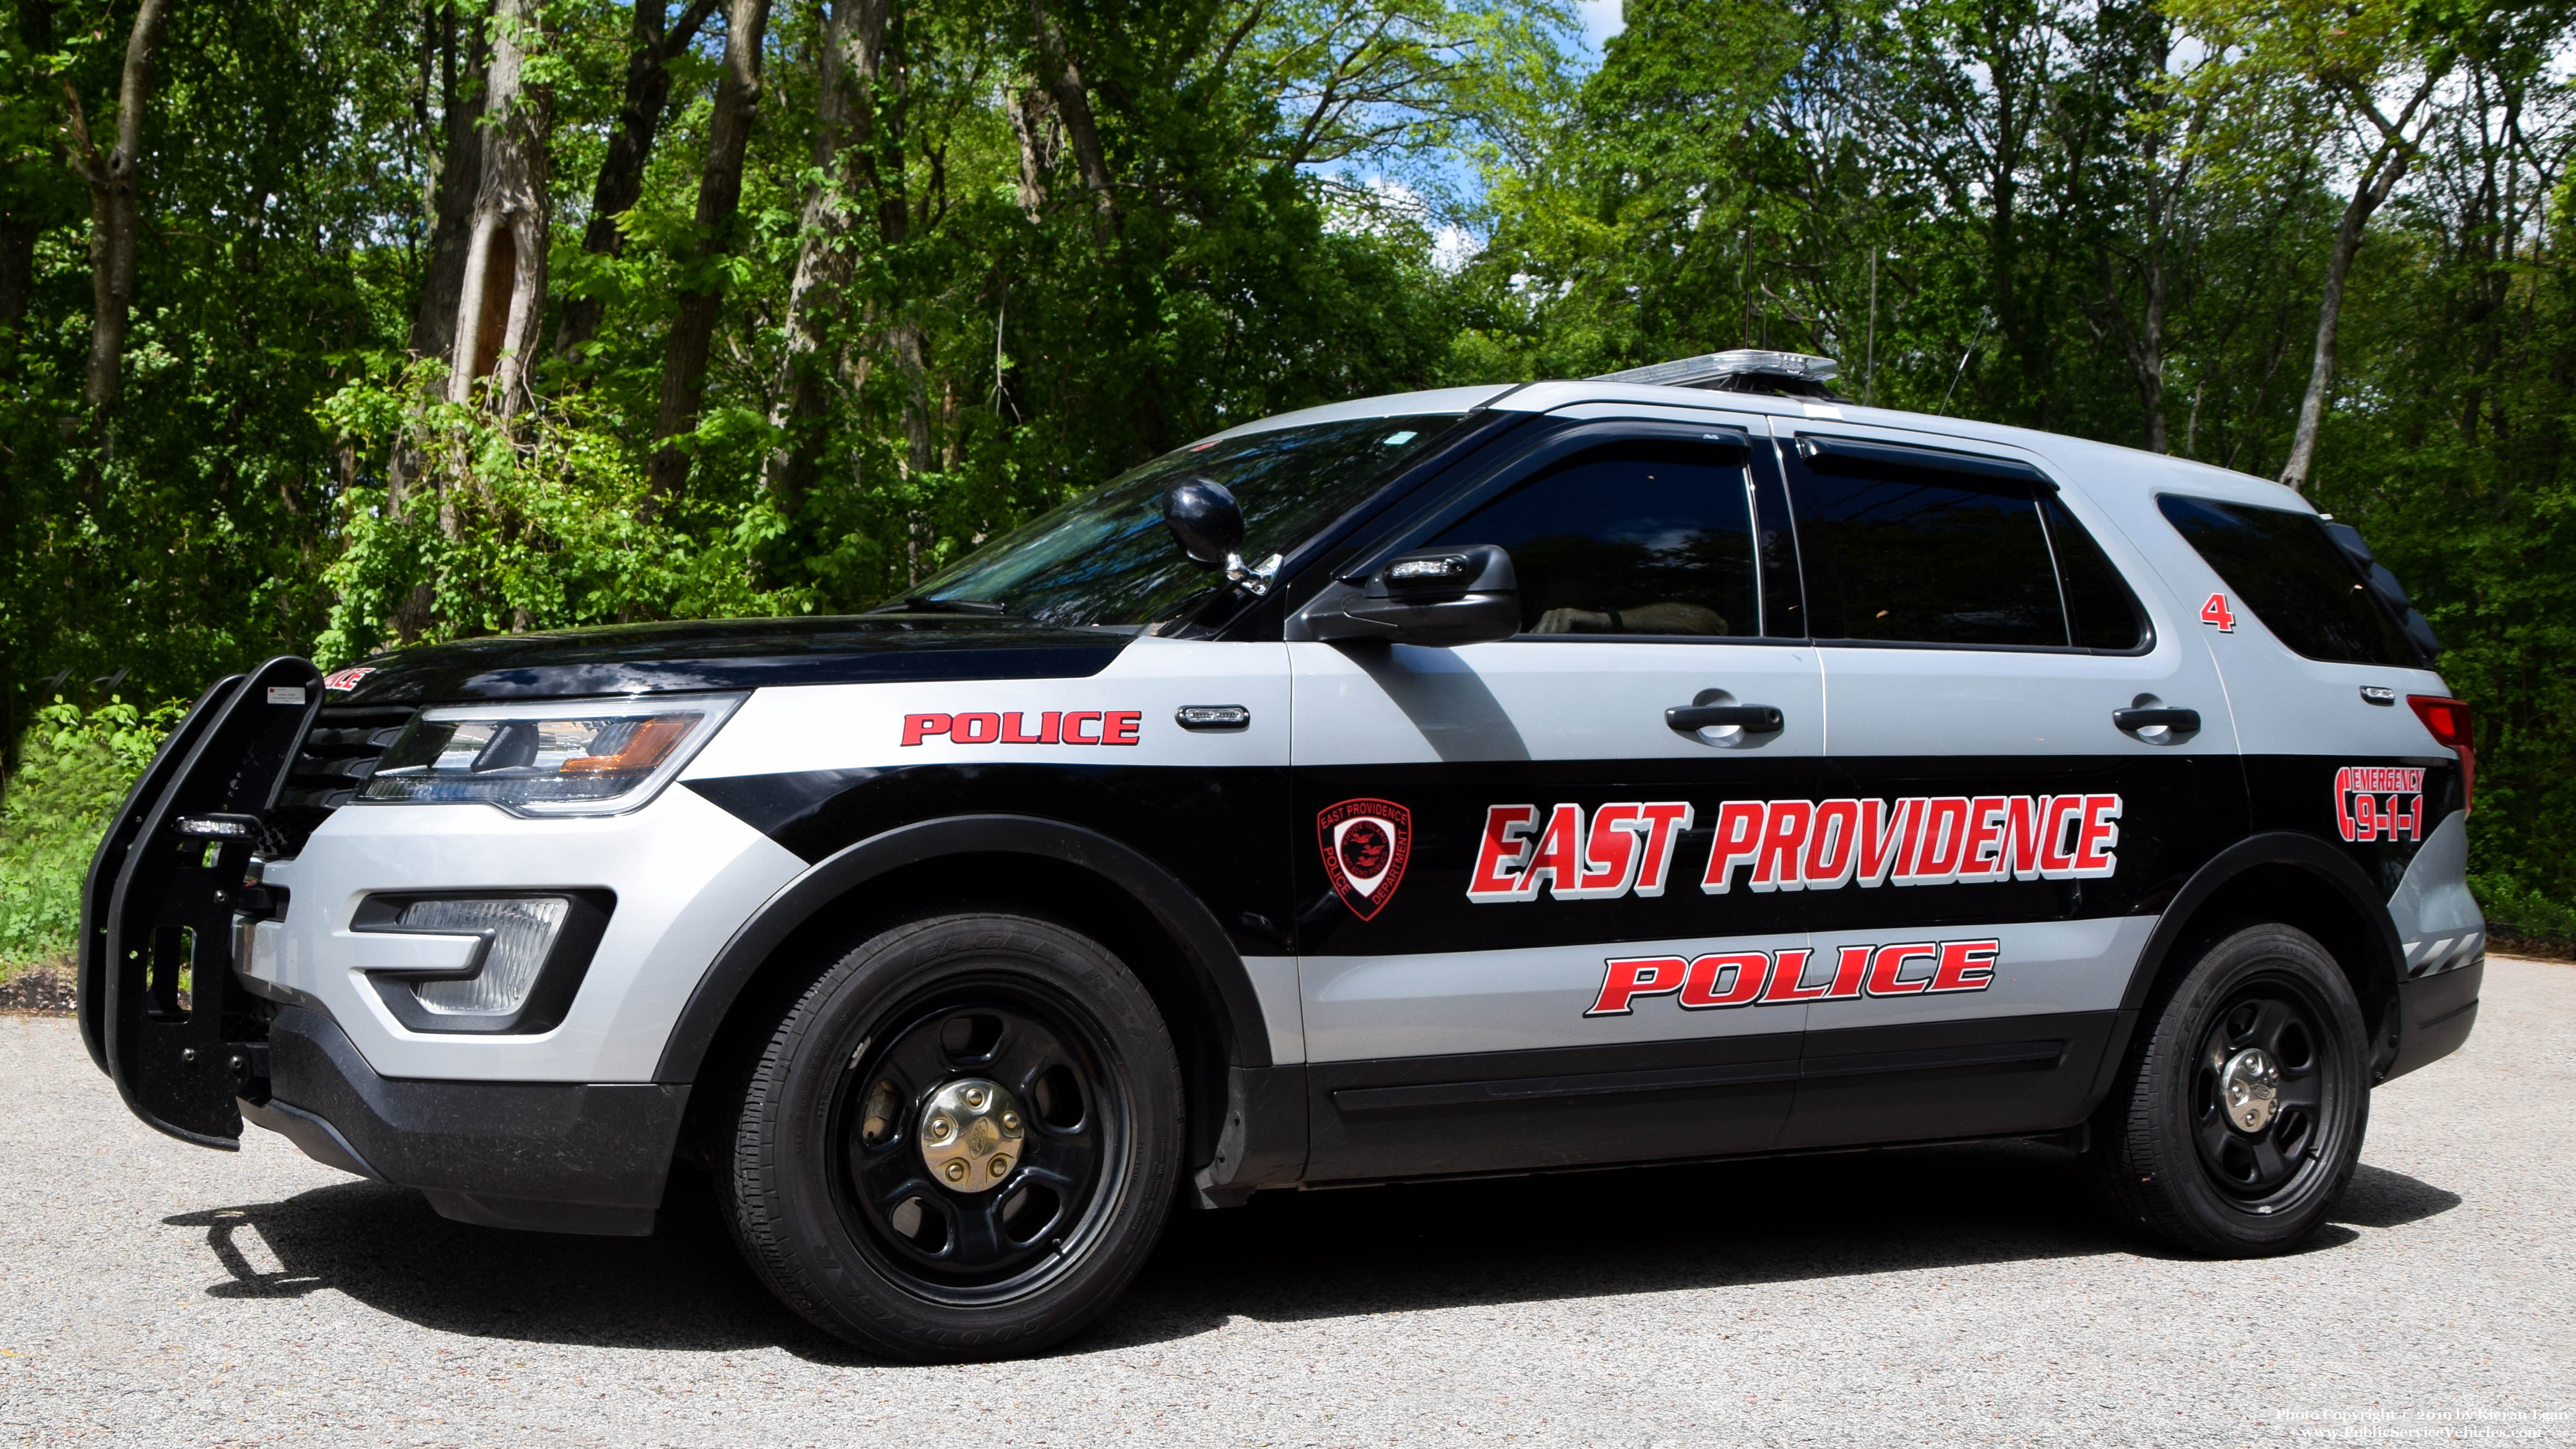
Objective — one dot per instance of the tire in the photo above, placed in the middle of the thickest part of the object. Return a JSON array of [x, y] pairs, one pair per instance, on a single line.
[[2170, 1157], [960, 1142]]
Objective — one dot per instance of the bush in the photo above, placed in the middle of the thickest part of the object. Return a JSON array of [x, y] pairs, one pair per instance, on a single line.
[[73, 774], [2514, 909]]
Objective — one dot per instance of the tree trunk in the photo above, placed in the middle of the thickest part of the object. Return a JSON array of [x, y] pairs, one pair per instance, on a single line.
[[2387, 165], [1033, 122], [460, 177], [1063, 80], [684, 358], [116, 222], [630, 146], [503, 299], [852, 49]]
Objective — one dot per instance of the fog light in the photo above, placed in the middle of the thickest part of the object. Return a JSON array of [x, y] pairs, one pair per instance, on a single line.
[[518, 931]]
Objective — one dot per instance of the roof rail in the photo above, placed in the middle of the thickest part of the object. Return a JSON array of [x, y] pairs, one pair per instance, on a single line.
[[1745, 369]]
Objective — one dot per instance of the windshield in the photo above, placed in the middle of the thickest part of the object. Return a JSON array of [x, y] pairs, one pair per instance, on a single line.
[[1108, 559]]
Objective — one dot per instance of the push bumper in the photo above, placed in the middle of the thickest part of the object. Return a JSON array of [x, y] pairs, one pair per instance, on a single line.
[[2434, 1015], [562, 1157]]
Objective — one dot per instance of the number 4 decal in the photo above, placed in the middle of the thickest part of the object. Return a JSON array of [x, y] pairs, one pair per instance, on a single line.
[[2215, 612]]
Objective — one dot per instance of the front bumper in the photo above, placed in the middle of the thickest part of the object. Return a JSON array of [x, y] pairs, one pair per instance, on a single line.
[[563, 1157]]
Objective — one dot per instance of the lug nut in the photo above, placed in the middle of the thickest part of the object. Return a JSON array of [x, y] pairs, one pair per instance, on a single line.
[[940, 1128], [1001, 1164], [1010, 1121], [975, 1097], [956, 1171]]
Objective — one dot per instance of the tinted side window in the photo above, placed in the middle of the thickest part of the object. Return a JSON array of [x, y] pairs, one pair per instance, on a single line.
[[1921, 556], [2102, 613], [1648, 537], [2282, 565]]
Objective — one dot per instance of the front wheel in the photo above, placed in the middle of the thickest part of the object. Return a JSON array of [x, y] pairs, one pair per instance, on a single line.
[[961, 1141], [2240, 1118]]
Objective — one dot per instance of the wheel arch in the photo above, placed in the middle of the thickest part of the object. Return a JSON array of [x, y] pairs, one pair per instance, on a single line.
[[1086, 879], [2298, 881]]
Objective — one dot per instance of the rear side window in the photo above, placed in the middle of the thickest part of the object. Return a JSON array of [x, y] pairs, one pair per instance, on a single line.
[[2283, 566], [1928, 552], [1648, 537], [2101, 612]]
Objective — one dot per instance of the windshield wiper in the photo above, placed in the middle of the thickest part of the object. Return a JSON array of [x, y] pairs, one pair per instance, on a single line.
[[924, 604]]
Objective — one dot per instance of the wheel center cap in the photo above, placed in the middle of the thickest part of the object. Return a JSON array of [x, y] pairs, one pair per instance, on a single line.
[[2250, 1085], [970, 1134]]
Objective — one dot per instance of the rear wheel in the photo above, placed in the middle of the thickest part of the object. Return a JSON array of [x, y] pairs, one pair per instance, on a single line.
[[2240, 1118], [961, 1141]]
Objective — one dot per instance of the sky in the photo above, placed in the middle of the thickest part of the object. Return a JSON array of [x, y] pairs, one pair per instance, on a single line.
[[1601, 20]]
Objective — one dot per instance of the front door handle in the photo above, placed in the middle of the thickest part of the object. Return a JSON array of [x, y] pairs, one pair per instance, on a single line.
[[1692, 718], [2183, 720]]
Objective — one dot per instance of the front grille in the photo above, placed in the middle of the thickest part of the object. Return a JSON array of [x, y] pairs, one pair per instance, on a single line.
[[337, 758]]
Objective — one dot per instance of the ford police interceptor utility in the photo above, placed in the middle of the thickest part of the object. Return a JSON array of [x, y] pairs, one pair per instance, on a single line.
[[1663, 766]]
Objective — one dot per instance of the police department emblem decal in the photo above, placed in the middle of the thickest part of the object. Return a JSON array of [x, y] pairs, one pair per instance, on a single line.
[[1365, 845]]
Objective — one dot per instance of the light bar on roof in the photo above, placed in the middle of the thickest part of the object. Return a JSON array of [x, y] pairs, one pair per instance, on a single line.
[[1709, 367]]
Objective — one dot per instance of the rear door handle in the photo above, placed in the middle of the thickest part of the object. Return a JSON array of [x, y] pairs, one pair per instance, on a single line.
[[2147, 719], [1692, 718]]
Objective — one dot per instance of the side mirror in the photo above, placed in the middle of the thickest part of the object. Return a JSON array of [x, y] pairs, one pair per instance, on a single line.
[[1205, 520], [1439, 598], [1208, 524]]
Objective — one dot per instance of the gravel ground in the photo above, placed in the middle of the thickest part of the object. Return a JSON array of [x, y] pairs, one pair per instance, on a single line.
[[152, 1292]]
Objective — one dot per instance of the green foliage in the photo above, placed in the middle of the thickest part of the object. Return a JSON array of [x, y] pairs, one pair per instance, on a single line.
[[2108, 219], [73, 774], [2516, 909]]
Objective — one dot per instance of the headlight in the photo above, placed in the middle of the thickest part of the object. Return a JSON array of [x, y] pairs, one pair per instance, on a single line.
[[582, 757]]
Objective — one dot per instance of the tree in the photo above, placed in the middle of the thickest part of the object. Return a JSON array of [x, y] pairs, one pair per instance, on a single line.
[[2357, 58], [684, 364], [116, 225]]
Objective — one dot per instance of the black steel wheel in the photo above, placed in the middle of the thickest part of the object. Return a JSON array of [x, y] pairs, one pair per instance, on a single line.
[[2240, 1117], [1004, 1216], [2258, 1088], [961, 1141]]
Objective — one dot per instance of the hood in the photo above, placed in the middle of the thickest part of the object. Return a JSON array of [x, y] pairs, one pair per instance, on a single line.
[[726, 654]]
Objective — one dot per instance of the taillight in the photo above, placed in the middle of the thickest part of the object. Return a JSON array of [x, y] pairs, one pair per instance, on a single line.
[[2450, 722]]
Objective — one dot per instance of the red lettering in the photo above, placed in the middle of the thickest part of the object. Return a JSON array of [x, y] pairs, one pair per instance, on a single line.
[[1851, 965], [1939, 842], [1122, 727], [915, 726], [1558, 855], [1663, 822], [1775, 867], [1884, 829], [976, 729], [1637, 976], [1982, 856], [2024, 834], [1073, 724], [1831, 845], [2056, 851], [1966, 966], [1785, 980], [1609, 856], [1739, 835], [2365, 817], [1700, 992], [2101, 833], [1890, 960], [1498, 859], [1015, 731]]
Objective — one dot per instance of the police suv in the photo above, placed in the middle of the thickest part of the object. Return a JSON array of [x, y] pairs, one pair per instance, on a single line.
[[1669, 765]]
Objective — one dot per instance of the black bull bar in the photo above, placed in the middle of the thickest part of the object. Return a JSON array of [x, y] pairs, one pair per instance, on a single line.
[[159, 903]]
